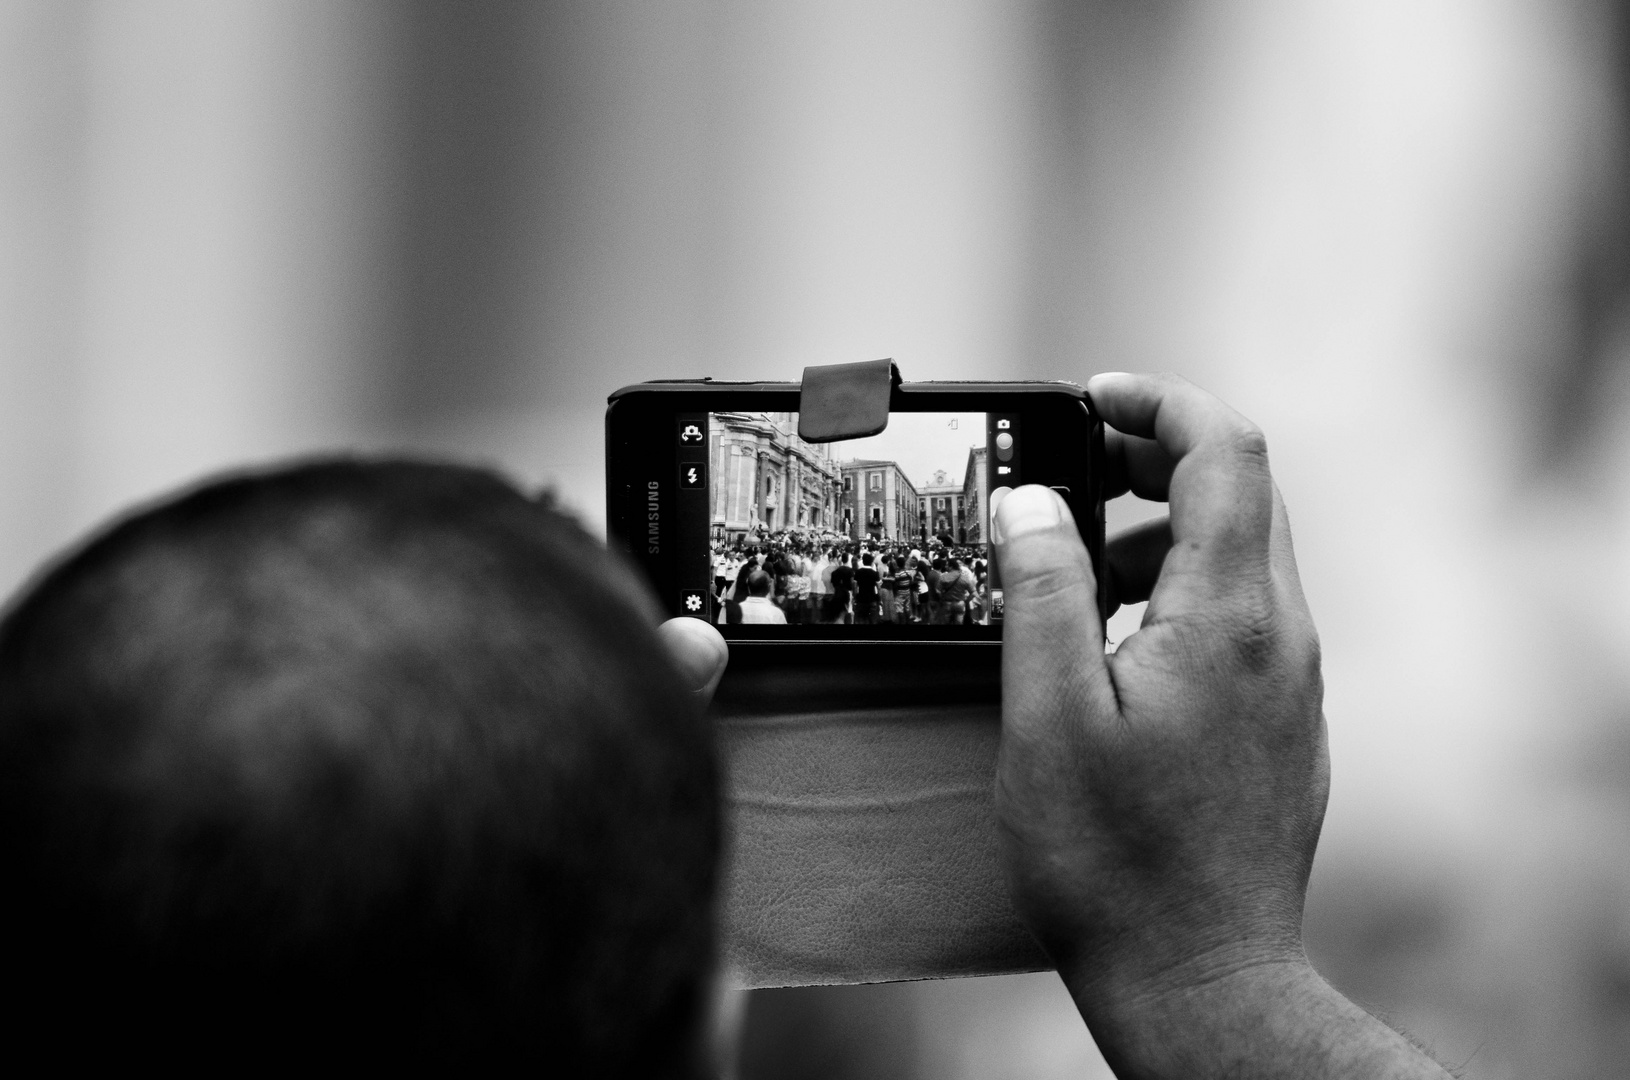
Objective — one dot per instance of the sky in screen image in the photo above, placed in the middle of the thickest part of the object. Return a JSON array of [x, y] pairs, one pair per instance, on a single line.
[[922, 443]]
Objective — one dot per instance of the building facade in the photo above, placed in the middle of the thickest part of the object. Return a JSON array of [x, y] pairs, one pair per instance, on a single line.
[[975, 497], [955, 508], [765, 476], [877, 501], [943, 502]]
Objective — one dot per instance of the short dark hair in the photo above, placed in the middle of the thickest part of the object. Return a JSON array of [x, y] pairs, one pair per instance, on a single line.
[[759, 583], [386, 754]]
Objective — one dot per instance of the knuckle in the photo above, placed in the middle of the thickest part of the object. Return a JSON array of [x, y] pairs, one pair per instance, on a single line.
[[1248, 441], [1246, 635], [1313, 654], [1270, 640], [1257, 642]]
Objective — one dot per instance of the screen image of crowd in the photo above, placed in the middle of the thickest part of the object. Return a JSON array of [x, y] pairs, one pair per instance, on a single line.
[[795, 581], [839, 533]]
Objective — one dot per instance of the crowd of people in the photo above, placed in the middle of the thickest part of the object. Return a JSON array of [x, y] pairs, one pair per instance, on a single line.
[[791, 578]]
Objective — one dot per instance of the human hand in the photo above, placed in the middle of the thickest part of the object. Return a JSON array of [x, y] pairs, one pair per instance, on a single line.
[[1160, 806], [699, 654]]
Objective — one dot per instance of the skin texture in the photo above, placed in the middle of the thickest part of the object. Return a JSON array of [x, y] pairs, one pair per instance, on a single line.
[[1160, 806]]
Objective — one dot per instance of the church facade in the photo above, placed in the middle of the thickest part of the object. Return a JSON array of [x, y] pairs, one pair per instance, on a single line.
[[767, 479]]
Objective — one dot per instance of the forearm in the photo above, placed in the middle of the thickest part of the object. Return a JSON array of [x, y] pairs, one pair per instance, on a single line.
[[1278, 1020]]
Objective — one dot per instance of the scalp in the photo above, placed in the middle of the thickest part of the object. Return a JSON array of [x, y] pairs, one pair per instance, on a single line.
[[373, 720]]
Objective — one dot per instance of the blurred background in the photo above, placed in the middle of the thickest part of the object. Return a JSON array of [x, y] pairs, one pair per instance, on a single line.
[[1395, 233]]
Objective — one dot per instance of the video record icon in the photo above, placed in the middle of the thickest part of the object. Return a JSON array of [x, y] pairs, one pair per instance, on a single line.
[[693, 602], [692, 475]]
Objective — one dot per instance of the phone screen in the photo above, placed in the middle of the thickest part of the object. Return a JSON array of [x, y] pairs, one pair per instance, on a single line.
[[737, 520], [885, 534]]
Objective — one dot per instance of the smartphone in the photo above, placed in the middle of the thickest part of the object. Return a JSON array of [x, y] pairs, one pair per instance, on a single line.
[[734, 518]]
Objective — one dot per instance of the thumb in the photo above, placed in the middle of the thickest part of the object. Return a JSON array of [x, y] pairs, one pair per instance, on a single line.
[[699, 654], [1052, 639]]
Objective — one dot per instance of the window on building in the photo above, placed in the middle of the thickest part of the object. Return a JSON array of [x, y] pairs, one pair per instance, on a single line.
[[848, 483], [939, 504], [877, 515], [875, 482]]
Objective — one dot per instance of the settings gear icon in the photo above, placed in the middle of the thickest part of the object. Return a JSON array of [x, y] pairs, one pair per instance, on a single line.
[[693, 602]]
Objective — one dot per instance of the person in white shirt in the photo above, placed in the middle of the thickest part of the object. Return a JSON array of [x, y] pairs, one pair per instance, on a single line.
[[724, 576], [820, 586], [758, 607]]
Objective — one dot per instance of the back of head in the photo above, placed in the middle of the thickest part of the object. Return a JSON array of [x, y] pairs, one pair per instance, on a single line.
[[378, 756], [759, 583]]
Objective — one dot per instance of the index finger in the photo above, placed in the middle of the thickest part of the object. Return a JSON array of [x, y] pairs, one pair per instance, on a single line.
[[1220, 491]]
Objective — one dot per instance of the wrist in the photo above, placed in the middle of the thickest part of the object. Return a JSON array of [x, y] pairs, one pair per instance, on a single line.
[[1190, 1025], [1133, 997], [1173, 950], [1272, 1018]]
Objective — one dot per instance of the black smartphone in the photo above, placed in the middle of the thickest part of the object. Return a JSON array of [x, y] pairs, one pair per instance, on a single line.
[[738, 520]]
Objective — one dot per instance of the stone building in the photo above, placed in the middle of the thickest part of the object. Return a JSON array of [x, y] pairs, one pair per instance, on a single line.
[[975, 490], [942, 508], [763, 474], [877, 500], [954, 507]]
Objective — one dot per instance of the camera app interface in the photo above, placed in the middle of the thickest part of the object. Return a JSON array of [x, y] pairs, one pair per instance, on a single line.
[[888, 533]]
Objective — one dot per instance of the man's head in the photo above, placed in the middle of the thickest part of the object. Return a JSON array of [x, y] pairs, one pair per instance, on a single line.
[[759, 583], [385, 754]]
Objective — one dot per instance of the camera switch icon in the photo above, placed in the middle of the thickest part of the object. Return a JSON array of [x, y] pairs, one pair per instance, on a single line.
[[690, 434]]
